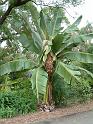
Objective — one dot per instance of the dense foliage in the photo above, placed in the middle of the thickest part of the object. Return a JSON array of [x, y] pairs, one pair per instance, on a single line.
[[43, 61], [65, 94], [19, 100]]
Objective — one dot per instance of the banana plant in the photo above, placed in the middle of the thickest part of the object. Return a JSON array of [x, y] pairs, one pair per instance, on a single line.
[[53, 46]]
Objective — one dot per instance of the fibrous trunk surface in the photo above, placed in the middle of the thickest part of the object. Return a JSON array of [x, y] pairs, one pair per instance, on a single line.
[[49, 69]]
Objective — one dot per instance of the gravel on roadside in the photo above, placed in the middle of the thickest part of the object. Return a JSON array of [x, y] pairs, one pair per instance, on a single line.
[[40, 116]]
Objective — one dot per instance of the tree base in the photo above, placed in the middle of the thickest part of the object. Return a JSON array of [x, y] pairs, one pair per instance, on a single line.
[[47, 108]]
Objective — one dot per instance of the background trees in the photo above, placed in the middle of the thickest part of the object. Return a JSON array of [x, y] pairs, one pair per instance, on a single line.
[[45, 55], [12, 4]]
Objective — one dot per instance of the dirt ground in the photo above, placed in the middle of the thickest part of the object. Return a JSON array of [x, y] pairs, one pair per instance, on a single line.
[[38, 116]]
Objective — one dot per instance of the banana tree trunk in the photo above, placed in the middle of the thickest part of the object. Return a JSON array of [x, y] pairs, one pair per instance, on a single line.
[[49, 69]]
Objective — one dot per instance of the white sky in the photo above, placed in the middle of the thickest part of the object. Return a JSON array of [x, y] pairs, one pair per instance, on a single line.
[[86, 10]]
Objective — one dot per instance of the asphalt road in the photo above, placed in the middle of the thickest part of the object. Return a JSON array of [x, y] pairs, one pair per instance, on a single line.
[[80, 118]]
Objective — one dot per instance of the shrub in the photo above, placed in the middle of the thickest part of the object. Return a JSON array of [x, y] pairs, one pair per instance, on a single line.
[[16, 102], [67, 94]]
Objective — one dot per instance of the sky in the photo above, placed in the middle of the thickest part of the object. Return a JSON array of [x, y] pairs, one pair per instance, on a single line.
[[86, 10]]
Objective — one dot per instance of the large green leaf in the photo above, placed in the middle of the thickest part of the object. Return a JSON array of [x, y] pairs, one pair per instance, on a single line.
[[79, 68], [37, 40], [31, 31], [74, 40], [69, 75], [88, 72], [35, 18], [56, 22], [16, 65], [72, 28], [39, 81], [57, 43], [62, 41], [77, 38], [79, 56], [30, 38], [51, 20], [43, 24], [32, 43], [77, 22]]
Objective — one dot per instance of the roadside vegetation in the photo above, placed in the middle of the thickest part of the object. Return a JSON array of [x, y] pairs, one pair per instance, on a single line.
[[43, 62]]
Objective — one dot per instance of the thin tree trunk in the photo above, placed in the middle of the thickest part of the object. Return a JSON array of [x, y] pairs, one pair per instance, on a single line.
[[16, 4], [49, 69], [3, 18], [49, 98]]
